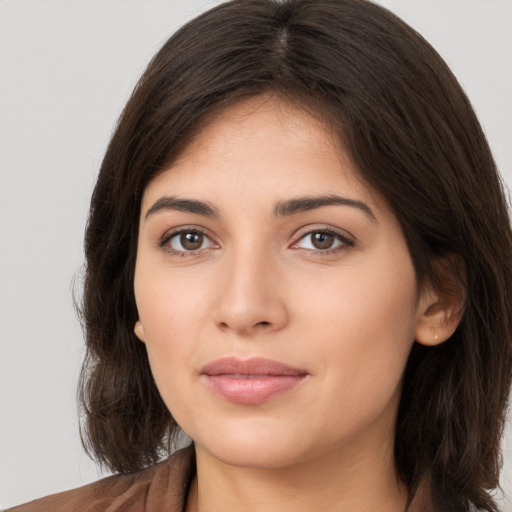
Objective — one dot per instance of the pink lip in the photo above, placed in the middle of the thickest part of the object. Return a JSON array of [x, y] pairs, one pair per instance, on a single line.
[[252, 381]]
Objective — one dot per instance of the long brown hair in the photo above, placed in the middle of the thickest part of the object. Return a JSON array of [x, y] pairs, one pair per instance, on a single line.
[[411, 133]]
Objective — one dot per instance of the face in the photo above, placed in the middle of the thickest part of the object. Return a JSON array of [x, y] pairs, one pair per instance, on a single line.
[[276, 294]]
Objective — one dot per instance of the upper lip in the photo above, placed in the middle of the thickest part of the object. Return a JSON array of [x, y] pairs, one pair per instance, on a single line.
[[254, 366]]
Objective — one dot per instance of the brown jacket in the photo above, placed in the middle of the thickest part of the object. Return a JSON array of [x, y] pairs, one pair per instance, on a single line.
[[160, 488]]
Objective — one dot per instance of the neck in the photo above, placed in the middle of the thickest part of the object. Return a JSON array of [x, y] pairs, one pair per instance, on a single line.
[[342, 480]]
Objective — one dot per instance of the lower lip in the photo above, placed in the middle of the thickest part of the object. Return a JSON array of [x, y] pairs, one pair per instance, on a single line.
[[253, 390]]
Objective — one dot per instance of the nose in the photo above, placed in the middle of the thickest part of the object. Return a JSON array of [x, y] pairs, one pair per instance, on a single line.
[[251, 296]]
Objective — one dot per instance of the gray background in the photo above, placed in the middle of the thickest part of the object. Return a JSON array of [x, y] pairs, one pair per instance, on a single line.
[[66, 69]]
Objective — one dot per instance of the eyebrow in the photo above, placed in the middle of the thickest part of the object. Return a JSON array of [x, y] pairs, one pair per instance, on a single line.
[[281, 208], [303, 204], [183, 205]]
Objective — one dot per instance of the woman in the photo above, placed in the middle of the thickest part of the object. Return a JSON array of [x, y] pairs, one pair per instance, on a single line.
[[299, 252]]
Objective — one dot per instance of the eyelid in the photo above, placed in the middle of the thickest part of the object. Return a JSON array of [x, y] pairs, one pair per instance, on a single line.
[[348, 240], [163, 241]]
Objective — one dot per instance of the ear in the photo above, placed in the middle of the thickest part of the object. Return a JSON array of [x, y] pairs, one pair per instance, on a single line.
[[439, 314], [139, 331]]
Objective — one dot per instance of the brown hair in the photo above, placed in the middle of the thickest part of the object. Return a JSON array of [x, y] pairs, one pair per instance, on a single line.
[[412, 134]]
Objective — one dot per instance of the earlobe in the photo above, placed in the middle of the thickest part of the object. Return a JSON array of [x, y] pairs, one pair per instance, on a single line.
[[139, 331], [439, 317]]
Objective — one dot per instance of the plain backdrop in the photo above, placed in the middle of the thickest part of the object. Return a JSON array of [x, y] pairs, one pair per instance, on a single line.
[[66, 69]]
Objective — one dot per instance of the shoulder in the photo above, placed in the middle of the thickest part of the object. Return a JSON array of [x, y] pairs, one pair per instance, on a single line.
[[160, 487]]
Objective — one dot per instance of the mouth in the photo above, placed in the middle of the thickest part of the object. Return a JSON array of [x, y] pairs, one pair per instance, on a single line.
[[250, 381]]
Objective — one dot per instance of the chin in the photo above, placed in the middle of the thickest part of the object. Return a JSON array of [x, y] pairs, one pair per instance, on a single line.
[[251, 447], [253, 455]]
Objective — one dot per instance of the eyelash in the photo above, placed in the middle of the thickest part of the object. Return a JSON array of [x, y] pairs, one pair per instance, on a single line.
[[164, 243], [346, 243]]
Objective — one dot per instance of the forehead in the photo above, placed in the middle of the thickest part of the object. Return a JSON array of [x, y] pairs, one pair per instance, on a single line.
[[262, 147]]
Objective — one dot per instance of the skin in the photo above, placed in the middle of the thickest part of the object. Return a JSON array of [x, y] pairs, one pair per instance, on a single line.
[[259, 287]]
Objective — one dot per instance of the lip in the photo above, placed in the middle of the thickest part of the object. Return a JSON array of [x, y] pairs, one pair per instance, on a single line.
[[250, 381]]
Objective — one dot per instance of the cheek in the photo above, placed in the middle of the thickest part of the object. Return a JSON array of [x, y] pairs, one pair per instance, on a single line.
[[170, 302], [361, 324], [173, 308]]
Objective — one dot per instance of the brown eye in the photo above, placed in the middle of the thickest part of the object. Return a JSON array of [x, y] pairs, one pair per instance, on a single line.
[[191, 241], [321, 240], [188, 241]]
